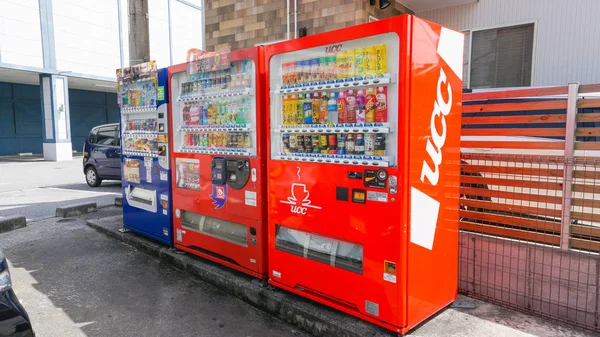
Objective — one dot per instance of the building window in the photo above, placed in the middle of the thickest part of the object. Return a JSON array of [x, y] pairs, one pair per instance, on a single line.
[[500, 57]]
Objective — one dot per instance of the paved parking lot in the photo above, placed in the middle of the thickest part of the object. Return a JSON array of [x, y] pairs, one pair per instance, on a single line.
[[74, 281], [35, 188]]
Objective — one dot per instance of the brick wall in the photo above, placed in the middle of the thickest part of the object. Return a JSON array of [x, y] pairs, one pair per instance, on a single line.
[[242, 24]]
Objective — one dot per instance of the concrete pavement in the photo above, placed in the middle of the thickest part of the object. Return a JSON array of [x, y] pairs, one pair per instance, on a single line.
[[35, 189], [74, 281], [485, 319]]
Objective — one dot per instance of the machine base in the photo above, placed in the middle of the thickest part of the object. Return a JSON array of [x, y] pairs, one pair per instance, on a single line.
[[166, 241], [221, 262], [336, 306]]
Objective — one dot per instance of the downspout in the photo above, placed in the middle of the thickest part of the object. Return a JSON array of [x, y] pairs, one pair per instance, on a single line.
[[295, 19], [287, 36]]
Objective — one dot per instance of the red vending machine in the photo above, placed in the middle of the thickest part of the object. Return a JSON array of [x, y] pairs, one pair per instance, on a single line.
[[364, 168], [218, 161]]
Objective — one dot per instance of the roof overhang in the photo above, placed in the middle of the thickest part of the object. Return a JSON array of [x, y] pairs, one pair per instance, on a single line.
[[425, 5], [29, 75]]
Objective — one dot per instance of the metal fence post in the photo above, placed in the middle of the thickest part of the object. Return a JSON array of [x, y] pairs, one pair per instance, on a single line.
[[567, 191]]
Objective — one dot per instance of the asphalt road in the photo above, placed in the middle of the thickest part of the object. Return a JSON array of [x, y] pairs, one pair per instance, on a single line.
[[35, 188], [74, 281]]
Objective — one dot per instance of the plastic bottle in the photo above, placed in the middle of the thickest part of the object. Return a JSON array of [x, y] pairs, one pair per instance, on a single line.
[[293, 106], [332, 108], [360, 106], [381, 109], [316, 108], [324, 109], [350, 107], [370, 106], [341, 107]]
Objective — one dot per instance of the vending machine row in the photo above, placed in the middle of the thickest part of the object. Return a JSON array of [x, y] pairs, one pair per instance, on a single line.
[[324, 164]]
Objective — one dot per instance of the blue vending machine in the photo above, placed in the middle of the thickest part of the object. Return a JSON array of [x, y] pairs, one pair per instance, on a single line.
[[146, 172]]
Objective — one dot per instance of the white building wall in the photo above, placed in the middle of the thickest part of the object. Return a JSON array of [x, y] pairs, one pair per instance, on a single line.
[[86, 35], [20, 35], [158, 26], [567, 33], [187, 29]]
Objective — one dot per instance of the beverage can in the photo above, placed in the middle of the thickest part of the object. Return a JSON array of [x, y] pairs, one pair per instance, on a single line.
[[293, 143], [323, 144], [359, 55], [380, 59], [315, 144], [341, 143], [247, 142], [211, 140], [230, 140], [300, 143], [285, 139], [350, 143], [369, 144], [332, 144], [380, 144], [359, 144]]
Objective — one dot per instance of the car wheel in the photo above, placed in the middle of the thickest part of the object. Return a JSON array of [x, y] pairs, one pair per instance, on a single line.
[[91, 177]]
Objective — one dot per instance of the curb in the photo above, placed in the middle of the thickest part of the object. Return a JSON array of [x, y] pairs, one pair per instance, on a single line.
[[312, 317], [76, 209], [12, 223]]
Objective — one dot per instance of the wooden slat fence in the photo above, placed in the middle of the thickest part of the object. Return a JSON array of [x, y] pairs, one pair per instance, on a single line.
[[513, 166]]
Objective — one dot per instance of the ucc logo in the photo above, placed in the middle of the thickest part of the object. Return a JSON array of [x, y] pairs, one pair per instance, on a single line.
[[441, 108], [299, 201], [333, 49]]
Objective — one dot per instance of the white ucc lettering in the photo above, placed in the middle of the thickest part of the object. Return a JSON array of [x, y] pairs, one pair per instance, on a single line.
[[441, 109]]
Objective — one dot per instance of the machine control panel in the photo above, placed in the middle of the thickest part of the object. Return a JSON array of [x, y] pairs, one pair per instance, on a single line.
[[218, 168], [375, 178], [238, 172]]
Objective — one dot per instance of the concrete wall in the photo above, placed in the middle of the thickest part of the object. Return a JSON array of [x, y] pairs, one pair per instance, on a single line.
[[542, 280], [242, 24], [21, 117], [564, 31]]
